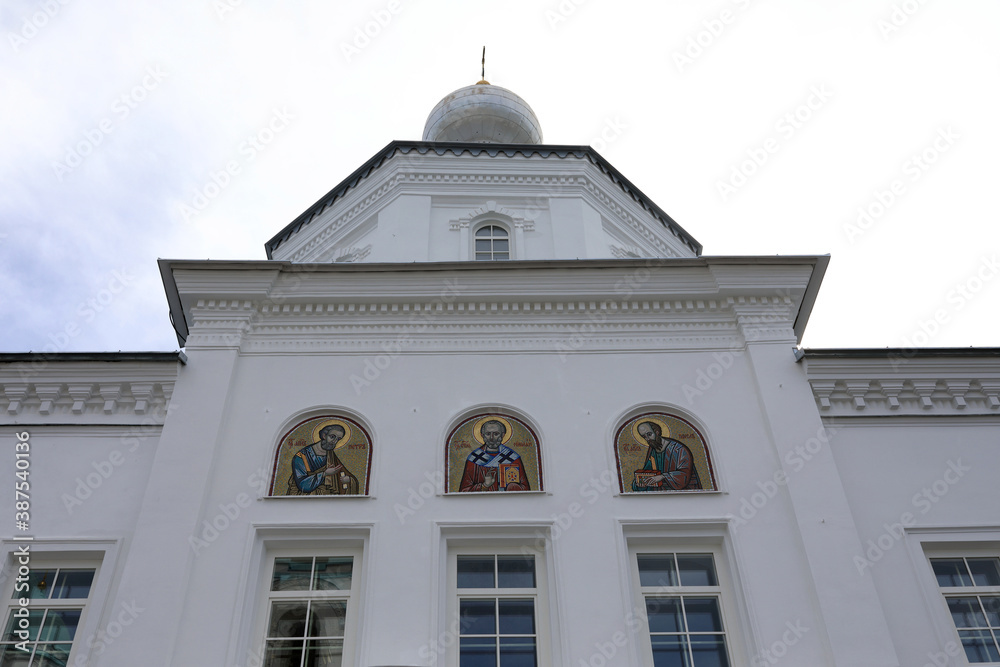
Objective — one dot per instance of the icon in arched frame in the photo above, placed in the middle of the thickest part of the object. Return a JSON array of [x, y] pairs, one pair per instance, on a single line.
[[662, 452], [323, 456], [492, 452]]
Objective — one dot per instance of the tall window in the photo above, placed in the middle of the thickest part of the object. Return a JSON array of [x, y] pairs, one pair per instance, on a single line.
[[683, 606], [309, 606], [971, 587], [497, 597], [56, 600], [492, 243]]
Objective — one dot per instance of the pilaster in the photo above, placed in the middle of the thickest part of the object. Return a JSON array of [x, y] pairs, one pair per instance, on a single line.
[[853, 617], [172, 507]]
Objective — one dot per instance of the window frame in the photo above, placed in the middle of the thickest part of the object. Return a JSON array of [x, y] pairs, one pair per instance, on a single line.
[[270, 541], [491, 222], [690, 538], [495, 593], [468, 539], [99, 555], [351, 596], [962, 550]]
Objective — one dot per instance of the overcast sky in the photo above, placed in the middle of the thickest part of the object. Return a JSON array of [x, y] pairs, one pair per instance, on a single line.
[[760, 126]]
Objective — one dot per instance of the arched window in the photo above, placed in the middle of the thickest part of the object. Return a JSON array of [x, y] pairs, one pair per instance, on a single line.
[[492, 243]]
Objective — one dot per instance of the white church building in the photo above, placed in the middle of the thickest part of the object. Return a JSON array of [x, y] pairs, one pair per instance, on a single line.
[[487, 405]]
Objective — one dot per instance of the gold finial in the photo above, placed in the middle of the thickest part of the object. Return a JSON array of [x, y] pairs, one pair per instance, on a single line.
[[483, 80]]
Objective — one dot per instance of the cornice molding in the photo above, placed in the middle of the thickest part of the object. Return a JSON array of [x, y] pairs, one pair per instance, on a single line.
[[334, 222], [301, 301], [909, 396], [311, 248], [447, 323], [86, 401], [905, 382], [487, 210]]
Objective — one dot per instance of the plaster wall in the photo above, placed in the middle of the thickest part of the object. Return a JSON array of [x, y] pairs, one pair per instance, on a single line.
[[85, 480], [576, 405], [904, 476]]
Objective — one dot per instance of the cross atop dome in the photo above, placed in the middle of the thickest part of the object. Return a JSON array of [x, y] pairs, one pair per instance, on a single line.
[[483, 113]]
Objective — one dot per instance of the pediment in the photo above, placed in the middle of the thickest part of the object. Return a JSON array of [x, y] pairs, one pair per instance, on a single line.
[[565, 202]]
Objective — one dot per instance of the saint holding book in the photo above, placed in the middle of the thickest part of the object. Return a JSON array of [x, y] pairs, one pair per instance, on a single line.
[[669, 465]]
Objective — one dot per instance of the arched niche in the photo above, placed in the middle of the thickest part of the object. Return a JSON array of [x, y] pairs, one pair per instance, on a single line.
[[492, 450], [661, 450], [325, 452]]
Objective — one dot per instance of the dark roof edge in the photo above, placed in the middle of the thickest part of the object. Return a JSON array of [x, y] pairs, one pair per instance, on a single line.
[[158, 357], [898, 352], [173, 301], [809, 298], [168, 265], [457, 148]]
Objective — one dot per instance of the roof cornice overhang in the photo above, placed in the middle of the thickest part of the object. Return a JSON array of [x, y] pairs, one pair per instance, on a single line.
[[888, 353], [176, 356], [476, 149], [94, 389], [921, 384], [734, 276]]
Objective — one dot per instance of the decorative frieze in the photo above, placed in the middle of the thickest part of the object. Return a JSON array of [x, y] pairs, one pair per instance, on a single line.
[[873, 397], [637, 305], [84, 401], [440, 325]]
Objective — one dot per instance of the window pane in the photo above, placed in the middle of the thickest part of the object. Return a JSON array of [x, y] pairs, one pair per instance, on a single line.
[[51, 655], [73, 584], [288, 619], [950, 572], [966, 613], [484, 257], [328, 619], [501, 245], [500, 256], [475, 572], [333, 574], [39, 585], [477, 652], [517, 652], [657, 570], [697, 570], [517, 617], [992, 606], [60, 625], [291, 574], [709, 651], [478, 617], [325, 652], [670, 651], [979, 646], [985, 571], [664, 615], [486, 231], [484, 245], [34, 620], [11, 657], [703, 615], [515, 571], [283, 654]]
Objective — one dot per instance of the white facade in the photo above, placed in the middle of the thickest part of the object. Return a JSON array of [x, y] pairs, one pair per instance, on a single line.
[[840, 472]]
